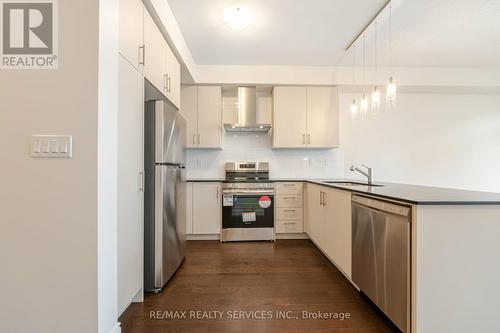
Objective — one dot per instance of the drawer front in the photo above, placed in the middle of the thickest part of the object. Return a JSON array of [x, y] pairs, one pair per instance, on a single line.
[[283, 226], [288, 188], [289, 214], [289, 200]]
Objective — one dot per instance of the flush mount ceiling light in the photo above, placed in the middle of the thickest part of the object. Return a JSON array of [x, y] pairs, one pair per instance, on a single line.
[[237, 17]]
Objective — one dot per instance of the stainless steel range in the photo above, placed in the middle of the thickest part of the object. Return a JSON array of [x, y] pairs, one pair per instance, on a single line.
[[247, 203]]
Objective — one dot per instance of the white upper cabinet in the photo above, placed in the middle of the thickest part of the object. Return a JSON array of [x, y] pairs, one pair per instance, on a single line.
[[322, 117], [209, 117], [131, 32], [189, 109], [289, 117], [155, 64], [161, 67], [173, 87], [201, 107], [305, 117]]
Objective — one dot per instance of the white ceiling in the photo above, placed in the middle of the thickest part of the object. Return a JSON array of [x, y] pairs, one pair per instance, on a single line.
[[456, 33]]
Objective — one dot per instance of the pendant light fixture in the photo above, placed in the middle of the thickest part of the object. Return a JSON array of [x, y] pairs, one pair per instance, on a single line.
[[354, 109], [390, 93], [354, 106], [376, 92], [363, 104]]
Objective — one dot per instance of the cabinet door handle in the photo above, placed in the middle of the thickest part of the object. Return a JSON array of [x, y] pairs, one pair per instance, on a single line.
[[289, 210], [321, 198], [199, 138], [142, 52], [194, 139], [303, 139], [165, 79], [141, 181], [169, 83], [308, 139], [324, 198]]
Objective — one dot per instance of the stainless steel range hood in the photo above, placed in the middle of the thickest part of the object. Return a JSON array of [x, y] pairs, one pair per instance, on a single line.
[[247, 113]]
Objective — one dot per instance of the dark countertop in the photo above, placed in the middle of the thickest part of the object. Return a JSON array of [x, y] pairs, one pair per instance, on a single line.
[[413, 194]]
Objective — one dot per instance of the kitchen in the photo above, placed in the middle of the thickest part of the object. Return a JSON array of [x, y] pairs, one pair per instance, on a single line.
[[198, 166]]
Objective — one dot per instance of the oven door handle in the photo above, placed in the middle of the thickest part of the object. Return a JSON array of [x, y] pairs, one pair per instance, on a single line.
[[249, 193]]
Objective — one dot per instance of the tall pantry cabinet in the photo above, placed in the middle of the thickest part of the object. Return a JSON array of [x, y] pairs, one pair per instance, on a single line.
[[143, 54]]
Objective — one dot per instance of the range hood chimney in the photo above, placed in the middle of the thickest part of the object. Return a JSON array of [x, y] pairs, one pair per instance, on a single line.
[[247, 113]]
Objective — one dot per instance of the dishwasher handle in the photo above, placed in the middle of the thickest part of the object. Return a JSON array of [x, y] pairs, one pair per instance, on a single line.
[[383, 206]]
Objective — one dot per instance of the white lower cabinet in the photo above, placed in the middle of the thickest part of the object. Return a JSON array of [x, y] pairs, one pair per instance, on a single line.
[[328, 223], [337, 228], [314, 212], [289, 212], [204, 208], [189, 209], [130, 194]]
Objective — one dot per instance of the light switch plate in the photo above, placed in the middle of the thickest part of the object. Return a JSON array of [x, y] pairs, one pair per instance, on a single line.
[[51, 146]]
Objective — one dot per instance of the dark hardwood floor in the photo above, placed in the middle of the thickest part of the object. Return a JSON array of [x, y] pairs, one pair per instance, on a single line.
[[259, 278]]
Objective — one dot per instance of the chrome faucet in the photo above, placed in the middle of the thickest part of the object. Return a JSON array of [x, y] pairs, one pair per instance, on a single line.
[[368, 174]]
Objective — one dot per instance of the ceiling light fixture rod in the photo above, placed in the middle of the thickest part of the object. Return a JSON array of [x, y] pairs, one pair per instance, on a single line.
[[368, 24]]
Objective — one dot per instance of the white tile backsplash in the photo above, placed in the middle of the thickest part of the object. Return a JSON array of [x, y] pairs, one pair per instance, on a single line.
[[284, 163]]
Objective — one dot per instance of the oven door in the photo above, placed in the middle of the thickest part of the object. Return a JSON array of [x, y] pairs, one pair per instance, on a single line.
[[247, 211]]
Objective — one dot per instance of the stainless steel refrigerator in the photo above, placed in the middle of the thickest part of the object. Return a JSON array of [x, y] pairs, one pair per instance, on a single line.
[[165, 193]]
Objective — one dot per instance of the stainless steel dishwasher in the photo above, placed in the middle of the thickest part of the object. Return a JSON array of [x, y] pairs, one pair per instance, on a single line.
[[381, 256]]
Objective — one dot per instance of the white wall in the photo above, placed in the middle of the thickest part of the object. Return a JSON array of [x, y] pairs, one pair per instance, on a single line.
[[49, 208], [434, 77], [446, 140], [284, 163]]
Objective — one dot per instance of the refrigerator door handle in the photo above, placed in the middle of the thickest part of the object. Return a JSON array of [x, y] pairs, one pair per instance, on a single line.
[[158, 228]]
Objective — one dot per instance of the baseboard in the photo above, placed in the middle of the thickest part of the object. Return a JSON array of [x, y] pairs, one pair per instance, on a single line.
[[278, 236], [203, 237], [334, 264], [139, 297], [116, 328], [292, 236]]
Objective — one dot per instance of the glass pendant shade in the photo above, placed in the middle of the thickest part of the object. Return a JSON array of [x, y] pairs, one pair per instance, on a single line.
[[363, 107], [354, 109], [375, 100], [390, 94]]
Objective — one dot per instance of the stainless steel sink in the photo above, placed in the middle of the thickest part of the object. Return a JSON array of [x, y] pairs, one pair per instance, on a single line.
[[349, 184]]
